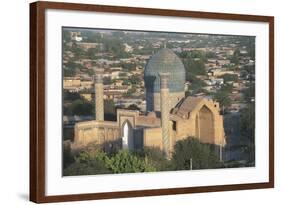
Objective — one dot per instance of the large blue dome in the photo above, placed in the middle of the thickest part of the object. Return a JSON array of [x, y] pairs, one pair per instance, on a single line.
[[165, 60]]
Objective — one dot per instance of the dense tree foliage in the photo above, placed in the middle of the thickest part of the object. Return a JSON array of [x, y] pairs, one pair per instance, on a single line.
[[115, 47], [66, 35], [203, 156], [210, 54], [70, 96], [126, 162], [91, 53], [133, 80], [95, 160], [81, 107], [89, 168], [92, 37], [71, 69], [222, 95], [156, 158], [107, 81], [128, 66], [79, 52], [87, 163], [194, 62], [250, 69], [133, 107], [249, 93], [230, 77], [196, 84], [235, 57], [109, 110], [130, 92], [67, 156]]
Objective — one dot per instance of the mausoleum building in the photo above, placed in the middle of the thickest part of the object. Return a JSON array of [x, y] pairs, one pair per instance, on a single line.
[[170, 115]]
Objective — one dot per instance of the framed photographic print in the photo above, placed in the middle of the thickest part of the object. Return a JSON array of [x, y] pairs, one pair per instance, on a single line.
[[128, 102]]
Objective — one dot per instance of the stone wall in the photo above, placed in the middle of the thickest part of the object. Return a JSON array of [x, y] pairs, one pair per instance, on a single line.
[[152, 137], [148, 131], [95, 131], [204, 122]]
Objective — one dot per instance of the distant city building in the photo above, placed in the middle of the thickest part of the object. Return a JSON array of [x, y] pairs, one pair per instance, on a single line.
[[87, 45], [76, 36], [75, 83]]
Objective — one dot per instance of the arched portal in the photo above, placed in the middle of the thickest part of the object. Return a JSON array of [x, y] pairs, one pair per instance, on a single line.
[[127, 136], [205, 125]]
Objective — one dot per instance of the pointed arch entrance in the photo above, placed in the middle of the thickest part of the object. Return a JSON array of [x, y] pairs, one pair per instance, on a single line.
[[205, 129], [127, 136]]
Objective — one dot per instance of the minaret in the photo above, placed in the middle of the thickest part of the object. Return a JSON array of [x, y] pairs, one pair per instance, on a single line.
[[165, 112], [98, 81]]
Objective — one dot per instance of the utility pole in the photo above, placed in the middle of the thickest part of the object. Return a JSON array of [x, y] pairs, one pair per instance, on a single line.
[[221, 153], [190, 163]]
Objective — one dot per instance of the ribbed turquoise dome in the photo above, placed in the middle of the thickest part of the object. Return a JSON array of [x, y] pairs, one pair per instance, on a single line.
[[165, 60]]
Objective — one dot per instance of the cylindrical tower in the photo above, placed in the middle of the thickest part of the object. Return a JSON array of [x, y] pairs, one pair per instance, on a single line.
[[165, 111], [98, 81]]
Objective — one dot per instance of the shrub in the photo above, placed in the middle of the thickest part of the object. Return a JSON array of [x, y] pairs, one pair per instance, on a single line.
[[126, 162], [202, 155]]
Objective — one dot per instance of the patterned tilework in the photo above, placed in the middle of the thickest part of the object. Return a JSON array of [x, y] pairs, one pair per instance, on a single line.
[[99, 101]]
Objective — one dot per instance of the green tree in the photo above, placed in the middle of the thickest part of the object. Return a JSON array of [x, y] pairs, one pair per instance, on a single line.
[[123, 74], [222, 96], [235, 57], [68, 157], [250, 69], [91, 53], [210, 54], [196, 84], [116, 47], [66, 35], [130, 92], [107, 81], [109, 110], [133, 107], [202, 155], [81, 107], [77, 51], [91, 37], [194, 62], [196, 67], [93, 167], [249, 92], [86, 164], [71, 68], [230, 77], [70, 96], [128, 66], [126, 162], [156, 157], [134, 80]]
